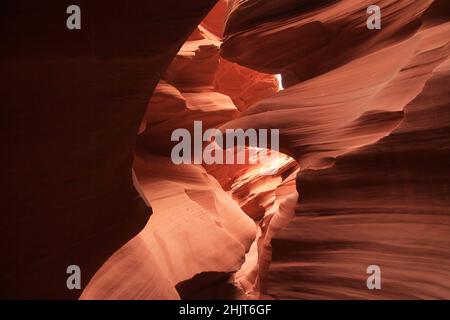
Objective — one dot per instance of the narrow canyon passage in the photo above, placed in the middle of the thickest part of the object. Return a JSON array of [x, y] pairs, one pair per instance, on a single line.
[[106, 166], [220, 222], [211, 225]]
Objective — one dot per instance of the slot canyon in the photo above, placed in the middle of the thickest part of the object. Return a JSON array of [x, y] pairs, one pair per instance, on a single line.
[[361, 177]]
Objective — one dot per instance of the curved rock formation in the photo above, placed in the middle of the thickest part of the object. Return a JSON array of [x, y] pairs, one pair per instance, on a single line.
[[361, 178], [195, 219], [195, 227], [304, 40], [72, 104], [369, 131]]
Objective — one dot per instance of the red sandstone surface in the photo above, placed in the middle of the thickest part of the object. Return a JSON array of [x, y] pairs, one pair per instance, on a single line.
[[362, 175]]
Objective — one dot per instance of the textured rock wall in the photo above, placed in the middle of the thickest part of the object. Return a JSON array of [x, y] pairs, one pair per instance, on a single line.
[[364, 126], [72, 104], [204, 233], [366, 116]]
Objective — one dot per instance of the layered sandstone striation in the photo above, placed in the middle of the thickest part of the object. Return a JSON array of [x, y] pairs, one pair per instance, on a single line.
[[366, 117], [203, 233], [195, 227], [361, 178]]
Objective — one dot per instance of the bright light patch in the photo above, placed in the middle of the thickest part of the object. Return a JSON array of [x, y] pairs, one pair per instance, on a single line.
[[280, 82]]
